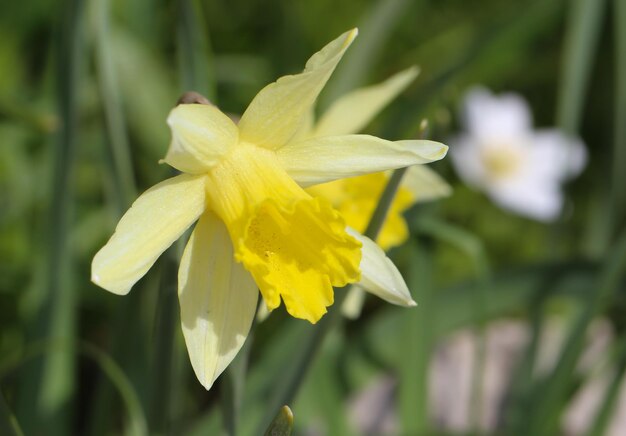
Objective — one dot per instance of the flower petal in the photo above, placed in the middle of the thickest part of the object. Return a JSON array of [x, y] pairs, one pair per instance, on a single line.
[[201, 134], [557, 156], [218, 299], [425, 184], [379, 275], [538, 199], [155, 220], [319, 160], [353, 304], [491, 117], [353, 111], [279, 109]]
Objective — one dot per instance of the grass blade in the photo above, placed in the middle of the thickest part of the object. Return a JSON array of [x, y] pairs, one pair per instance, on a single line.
[[581, 40], [374, 33], [8, 423], [549, 397]]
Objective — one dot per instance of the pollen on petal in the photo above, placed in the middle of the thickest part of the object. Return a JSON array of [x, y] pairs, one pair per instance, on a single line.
[[299, 253]]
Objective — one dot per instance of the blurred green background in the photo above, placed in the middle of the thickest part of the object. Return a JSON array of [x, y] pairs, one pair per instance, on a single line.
[[85, 87]]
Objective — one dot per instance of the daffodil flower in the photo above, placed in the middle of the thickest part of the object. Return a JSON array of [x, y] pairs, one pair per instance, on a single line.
[[356, 197], [256, 225], [519, 168]]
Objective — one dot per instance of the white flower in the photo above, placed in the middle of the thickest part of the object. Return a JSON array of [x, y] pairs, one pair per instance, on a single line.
[[519, 168]]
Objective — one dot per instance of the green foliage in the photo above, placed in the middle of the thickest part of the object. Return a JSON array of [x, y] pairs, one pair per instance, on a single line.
[[85, 87]]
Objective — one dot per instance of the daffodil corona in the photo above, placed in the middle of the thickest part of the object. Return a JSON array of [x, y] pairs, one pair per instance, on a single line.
[[256, 225]]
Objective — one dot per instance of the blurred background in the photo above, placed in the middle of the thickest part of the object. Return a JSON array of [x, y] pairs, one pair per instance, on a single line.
[[519, 327]]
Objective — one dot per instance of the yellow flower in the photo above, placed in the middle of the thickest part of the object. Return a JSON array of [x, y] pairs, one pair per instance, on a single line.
[[256, 226], [356, 197]]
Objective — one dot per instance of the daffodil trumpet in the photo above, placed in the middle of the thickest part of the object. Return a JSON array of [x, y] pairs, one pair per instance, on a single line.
[[256, 227]]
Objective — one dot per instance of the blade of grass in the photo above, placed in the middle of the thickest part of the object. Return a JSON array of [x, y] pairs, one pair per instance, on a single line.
[[375, 30], [583, 31], [475, 250], [137, 425], [119, 172], [232, 386], [162, 355], [581, 40], [194, 53], [619, 145], [413, 385], [8, 422], [550, 395], [607, 406], [118, 150], [49, 387]]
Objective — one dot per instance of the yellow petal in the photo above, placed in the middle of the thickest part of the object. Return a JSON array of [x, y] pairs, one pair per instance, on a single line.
[[425, 184], [353, 111], [379, 275], [295, 247], [319, 160], [279, 110], [155, 220], [201, 134], [299, 254], [218, 299]]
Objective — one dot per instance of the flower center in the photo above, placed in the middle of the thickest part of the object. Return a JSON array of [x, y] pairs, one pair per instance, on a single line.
[[295, 246], [502, 160]]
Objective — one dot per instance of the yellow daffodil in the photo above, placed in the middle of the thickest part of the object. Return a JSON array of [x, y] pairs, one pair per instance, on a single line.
[[356, 197], [256, 226]]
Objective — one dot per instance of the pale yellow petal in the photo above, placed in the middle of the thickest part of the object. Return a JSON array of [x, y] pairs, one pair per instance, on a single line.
[[319, 160], [201, 134], [279, 110], [218, 300], [353, 111], [379, 275], [353, 304], [155, 220], [425, 184]]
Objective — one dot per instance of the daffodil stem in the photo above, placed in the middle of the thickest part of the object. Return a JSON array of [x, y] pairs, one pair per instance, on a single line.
[[295, 373], [379, 215]]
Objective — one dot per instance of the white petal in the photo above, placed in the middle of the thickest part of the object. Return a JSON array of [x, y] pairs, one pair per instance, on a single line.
[[155, 220], [467, 160], [425, 184], [218, 299], [557, 156], [379, 275], [279, 110], [353, 111], [201, 135], [489, 117], [319, 160], [533, 198]]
